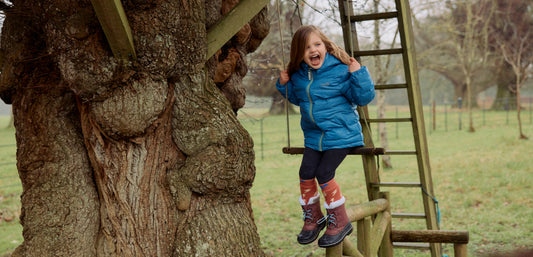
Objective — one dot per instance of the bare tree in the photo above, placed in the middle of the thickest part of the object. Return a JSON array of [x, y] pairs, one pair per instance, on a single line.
[[511, 14], [514, 43], [144, 158], [469, 30], [440, 36]]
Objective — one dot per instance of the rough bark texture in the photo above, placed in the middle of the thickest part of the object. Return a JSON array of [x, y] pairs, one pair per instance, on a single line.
[[144, 160], [59, 201]]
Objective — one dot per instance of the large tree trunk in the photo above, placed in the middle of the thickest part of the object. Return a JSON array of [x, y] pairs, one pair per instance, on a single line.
[[505, 98], [140, 160]]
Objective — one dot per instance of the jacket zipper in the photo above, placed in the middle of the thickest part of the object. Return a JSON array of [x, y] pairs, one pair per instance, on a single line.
[[310, 76]]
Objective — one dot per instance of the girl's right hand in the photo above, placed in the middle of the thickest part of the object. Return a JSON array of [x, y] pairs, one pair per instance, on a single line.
[[284, 77], [354, 65]]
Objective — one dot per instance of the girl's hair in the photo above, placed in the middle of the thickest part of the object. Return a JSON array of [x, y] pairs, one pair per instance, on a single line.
[[299, 43]]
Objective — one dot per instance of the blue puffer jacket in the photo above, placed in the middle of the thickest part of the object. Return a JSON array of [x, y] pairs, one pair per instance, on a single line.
[[328, 98]]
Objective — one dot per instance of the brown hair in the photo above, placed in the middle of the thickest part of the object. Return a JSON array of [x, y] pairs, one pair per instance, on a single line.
[[299, 42]]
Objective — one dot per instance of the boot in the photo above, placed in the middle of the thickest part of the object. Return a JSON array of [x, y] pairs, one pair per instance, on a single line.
[[314, 221], [338, 225]]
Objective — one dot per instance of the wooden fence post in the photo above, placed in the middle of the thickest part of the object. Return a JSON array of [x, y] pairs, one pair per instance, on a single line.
[[386, 249], [460, 250], [334, 251]]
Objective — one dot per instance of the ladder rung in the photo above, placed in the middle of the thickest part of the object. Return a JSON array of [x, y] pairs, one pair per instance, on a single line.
[[430, 236], [374, 16], [389, 120], [390, 86], [411, 245], [356, 151], [378, 52], [409, 215], [395, 184], [400, 152]]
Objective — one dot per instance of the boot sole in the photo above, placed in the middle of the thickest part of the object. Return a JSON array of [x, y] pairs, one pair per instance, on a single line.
[[344, 234], [321, 227]]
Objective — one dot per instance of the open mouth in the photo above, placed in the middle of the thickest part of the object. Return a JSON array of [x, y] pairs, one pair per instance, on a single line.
[[315, 60]]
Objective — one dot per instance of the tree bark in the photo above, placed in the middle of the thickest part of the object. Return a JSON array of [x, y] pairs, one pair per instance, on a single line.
[[518, 108], [60, 201], [505, 99], [146, 159]]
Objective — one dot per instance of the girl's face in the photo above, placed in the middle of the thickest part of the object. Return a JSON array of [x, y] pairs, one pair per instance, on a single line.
[[315, 51]]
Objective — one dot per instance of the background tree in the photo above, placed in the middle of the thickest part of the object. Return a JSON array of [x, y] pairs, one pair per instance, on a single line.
[[267, 62], [472, 44], [436, 53], [144, 158], [510, 24], [463, 40], [441, 39], [513, 40]]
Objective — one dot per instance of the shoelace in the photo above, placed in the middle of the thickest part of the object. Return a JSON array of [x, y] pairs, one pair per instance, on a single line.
[[307, 215], [331, 219]]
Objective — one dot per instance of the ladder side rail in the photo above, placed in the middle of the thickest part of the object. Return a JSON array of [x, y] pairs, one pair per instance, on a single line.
[[369, 161], [350, 39]]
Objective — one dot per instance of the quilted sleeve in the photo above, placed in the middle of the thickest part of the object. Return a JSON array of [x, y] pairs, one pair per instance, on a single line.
[[359, 88]]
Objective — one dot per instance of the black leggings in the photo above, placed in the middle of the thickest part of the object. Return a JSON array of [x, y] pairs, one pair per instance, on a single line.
[[322, 165]]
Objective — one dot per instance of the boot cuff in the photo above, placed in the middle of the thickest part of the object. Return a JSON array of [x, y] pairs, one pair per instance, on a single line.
[[312, 200], [335, 204]]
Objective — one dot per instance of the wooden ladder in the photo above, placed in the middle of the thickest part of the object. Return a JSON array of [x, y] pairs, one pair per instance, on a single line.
[[407, 52]]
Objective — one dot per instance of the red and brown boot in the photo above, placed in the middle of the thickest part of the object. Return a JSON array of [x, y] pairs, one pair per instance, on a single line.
[[314, 220], [339, 225]]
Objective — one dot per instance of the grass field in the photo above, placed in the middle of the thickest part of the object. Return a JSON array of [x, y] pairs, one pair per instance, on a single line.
[[483, 182], [10, 189]]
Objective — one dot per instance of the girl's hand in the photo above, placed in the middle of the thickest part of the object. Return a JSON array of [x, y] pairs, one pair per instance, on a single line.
[[284, 77], [354, 65]]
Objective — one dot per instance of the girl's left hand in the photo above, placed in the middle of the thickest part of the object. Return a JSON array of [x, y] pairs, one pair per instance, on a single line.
[[354, 65]]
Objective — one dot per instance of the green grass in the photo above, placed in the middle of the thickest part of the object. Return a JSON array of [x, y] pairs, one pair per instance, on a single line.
[[10, 190], [483, 182]]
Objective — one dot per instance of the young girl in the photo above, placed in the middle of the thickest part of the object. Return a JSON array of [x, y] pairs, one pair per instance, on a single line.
[[327, 85]]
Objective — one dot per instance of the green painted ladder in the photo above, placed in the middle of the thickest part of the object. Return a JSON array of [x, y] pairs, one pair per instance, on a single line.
[[412, 88]]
